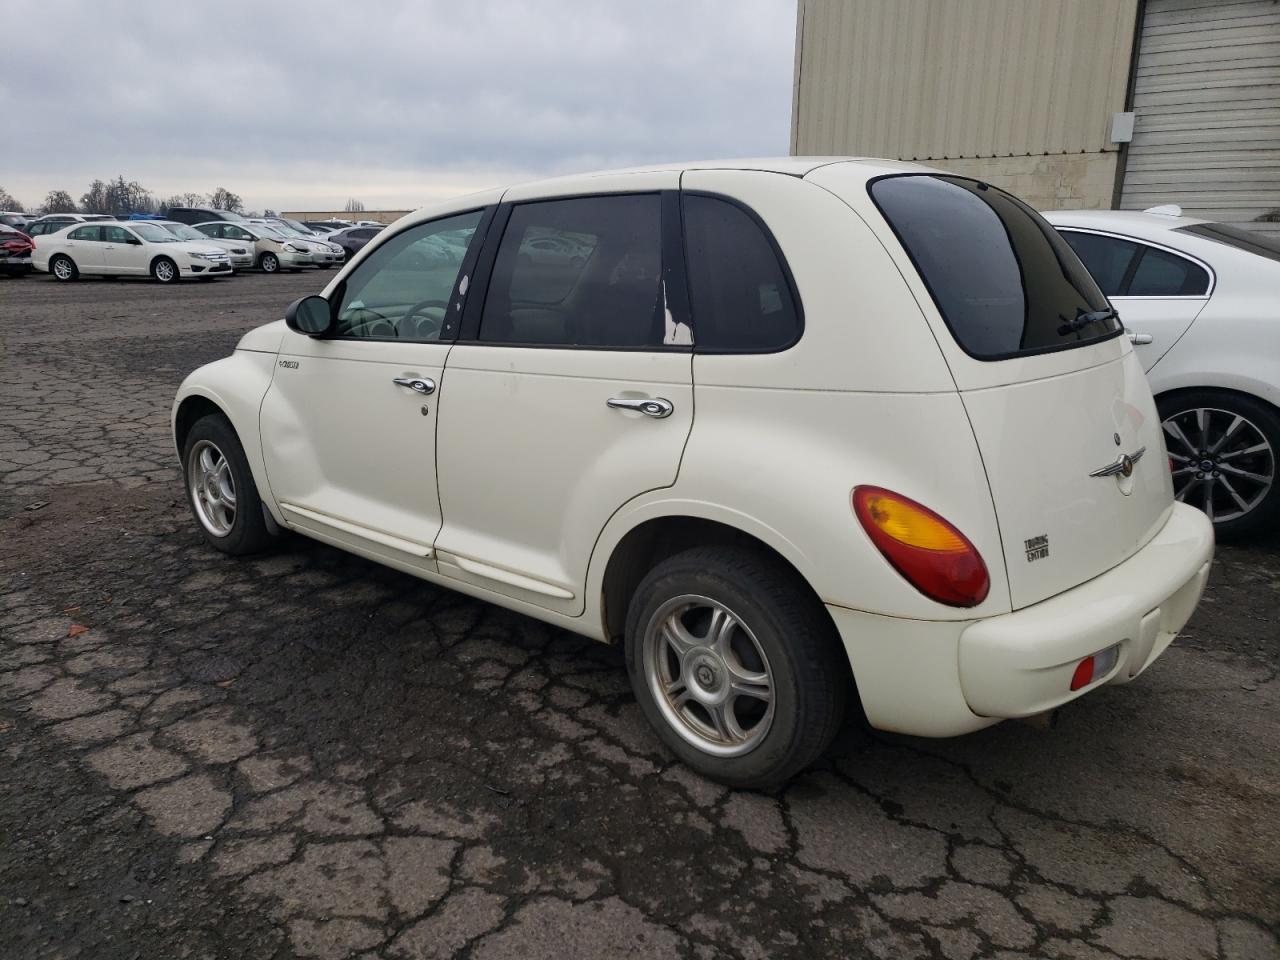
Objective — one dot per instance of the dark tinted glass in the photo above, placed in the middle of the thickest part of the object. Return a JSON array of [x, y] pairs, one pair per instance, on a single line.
[[1107, 258], [402, 291], [1252, 241], [740, 299], [1004, 281], [1162, 274], [580, 272]]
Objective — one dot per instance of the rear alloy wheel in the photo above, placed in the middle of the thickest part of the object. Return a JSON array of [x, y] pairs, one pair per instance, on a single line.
[[63, 268], [1222, 452], [269, 263], [164, 270], [736, 665]]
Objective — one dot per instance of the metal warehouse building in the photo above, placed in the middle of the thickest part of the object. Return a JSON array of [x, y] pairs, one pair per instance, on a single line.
[[1067, 103]]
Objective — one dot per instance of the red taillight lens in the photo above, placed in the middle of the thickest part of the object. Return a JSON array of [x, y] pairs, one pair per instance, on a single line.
[[1083, 675], [935, 557]]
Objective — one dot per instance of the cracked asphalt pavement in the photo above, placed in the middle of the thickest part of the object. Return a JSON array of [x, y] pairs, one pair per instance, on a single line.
[[306, 755]]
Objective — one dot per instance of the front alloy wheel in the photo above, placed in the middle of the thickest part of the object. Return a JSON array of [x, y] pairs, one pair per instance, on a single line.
[[1222, 454], [212, 488]]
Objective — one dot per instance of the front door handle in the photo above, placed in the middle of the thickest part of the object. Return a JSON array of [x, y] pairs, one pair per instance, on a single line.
[[422, 385], [656, 407], [1140, 339]]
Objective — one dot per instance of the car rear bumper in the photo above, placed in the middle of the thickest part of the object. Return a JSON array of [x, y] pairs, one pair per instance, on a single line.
[[1021, 663], [945, 678]]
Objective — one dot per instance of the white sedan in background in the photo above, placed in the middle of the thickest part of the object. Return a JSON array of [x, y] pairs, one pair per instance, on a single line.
[[137, 248], [1201, 302], [240, 253]]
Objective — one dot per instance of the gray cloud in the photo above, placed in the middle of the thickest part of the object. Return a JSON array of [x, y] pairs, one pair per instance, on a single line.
[[394, 102]]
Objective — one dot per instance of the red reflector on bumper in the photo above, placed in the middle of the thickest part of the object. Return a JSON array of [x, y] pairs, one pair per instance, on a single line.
[[1083, 675]]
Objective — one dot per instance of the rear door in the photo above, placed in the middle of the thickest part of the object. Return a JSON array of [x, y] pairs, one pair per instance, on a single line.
[[85, 246], [568, 394], [1158, 292], [1059, 404]]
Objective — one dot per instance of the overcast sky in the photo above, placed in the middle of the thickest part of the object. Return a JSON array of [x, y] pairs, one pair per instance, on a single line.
[[395, 102]]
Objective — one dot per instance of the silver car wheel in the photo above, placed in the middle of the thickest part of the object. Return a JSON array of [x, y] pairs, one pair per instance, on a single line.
[[212, 488], [164, 271], [708, 675], [1221, 462], [62, 268]]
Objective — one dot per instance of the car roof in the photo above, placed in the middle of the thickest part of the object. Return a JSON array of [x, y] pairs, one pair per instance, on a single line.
[[1138, 222]]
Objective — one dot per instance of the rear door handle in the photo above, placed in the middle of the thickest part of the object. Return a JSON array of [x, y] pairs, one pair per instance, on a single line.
[[1140, 339], [422, 385], [656, 407]]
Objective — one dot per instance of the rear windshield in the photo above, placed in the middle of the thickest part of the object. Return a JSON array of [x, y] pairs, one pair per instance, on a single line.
[[1004, 281], [1259, 243]]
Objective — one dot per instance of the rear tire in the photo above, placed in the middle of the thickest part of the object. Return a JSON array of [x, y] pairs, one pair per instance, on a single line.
[[63, 268], [1224, 447], [762, 703], [220, 489]]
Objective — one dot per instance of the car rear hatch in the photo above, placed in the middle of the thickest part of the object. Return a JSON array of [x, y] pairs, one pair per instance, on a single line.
[[1059, 405]]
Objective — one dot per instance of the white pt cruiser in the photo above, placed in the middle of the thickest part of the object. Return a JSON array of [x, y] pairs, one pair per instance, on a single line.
[[775, 426]]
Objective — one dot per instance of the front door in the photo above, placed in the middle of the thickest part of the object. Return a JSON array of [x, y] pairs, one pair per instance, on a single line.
[[569, 394], [123, 252], [349, 422]]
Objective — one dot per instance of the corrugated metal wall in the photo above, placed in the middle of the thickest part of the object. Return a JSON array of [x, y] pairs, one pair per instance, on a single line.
[[1207, 105], [935, 79]]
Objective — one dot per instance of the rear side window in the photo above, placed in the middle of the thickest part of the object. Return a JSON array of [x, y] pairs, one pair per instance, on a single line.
[[1107, 258], [1164, 274], [85, 233], [585, 271], [741, 299], [1004, 281]]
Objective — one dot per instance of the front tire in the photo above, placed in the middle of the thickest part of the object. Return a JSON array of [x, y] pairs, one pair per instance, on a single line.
[[164, 270], [736, 665], [269, 263], [1223, 448], [220, 488], [63, 268]]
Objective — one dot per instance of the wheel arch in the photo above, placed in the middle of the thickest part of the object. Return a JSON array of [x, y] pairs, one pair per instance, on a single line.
[[151, 267], [1174, 392], [233, 387]]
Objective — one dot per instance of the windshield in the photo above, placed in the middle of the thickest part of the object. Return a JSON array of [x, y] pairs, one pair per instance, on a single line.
[[1247, 240], [183, 232], [300, 227], [1004, 281], [153, 233], [269, 232]]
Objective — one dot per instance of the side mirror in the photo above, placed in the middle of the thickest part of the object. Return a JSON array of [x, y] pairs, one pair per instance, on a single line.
[[310, 315], [134, 241]]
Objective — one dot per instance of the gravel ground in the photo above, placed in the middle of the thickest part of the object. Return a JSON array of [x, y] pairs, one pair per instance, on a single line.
[[307, 755]]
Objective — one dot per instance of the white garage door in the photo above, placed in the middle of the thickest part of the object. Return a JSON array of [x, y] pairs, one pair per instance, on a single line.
[[1207, 104]]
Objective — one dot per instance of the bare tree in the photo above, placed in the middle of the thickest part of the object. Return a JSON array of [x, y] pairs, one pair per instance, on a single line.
[[59, 201], [354, 206], [9, 202], [94, 200], [224, 199]]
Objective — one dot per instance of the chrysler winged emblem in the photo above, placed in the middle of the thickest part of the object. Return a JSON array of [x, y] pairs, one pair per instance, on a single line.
[[1122, 466]]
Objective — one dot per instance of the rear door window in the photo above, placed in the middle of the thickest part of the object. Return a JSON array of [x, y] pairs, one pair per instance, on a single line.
[[583, 272], [1004, 281], [1108, 258], [741, 298]]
